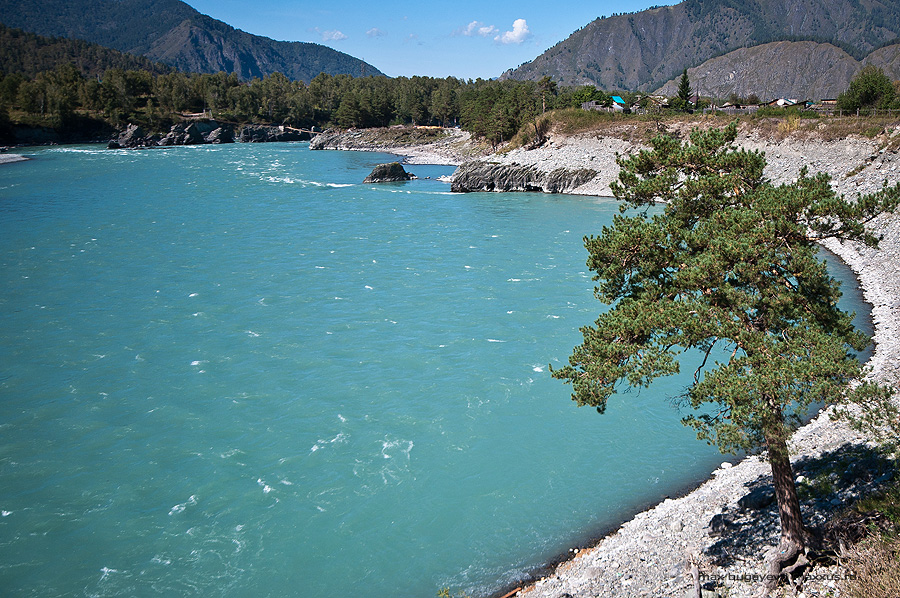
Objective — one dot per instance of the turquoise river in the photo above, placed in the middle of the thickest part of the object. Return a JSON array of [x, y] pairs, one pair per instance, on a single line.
[[237, 371]]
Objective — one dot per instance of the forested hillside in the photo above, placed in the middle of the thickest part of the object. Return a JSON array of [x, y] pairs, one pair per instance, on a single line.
[[28, 54], [643, 50], [172, 32]]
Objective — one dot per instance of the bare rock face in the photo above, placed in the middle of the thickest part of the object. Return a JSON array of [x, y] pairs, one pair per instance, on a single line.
[[480, 175], [266, 133], [388, 173], [180, 134], [197, 133], [133, 136]]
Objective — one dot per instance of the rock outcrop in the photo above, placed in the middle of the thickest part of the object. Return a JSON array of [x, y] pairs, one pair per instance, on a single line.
[[194, 133], [266, 133], [197, 133], [478, 175], [388, 173], [133, 136]]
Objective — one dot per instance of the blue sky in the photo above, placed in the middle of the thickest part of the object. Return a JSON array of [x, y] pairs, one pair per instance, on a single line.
[[465, 39]]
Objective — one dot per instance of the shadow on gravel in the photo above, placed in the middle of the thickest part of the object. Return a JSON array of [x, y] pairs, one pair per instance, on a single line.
[[827, 485]]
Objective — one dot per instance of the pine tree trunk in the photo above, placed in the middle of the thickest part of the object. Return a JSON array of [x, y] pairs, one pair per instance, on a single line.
[[790, 553]]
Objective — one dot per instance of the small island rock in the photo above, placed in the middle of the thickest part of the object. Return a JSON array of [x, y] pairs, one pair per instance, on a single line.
[[388, 173]]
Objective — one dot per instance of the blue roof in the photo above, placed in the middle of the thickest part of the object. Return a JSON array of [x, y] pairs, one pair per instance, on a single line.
[[618, 100]]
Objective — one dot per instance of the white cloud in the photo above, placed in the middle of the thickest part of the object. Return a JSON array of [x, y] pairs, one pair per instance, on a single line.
[[518, 34], [375, 32], [331, 36], [478, 28]]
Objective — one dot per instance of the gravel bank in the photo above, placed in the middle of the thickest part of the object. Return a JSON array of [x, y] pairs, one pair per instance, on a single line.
[[452, 146], [10, 158]]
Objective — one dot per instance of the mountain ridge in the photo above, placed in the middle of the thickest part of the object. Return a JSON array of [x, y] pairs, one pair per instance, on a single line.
[[641, 51], [172, 32]]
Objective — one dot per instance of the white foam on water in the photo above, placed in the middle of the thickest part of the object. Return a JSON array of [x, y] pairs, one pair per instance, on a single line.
[[252, 334], [493, 340], [6, 513], [193, 294], [266, 488], [537, 368], [405, 447], [106, 571], [182, 506], [322, 443]]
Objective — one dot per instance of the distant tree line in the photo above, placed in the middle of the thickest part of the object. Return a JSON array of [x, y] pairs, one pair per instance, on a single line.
[[493, 110]]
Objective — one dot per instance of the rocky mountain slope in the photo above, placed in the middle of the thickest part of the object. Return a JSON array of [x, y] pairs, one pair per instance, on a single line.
[[643, 50], [171, 32], [803, 70]]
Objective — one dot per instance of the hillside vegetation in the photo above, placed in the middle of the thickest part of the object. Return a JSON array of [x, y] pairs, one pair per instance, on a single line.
[[28, 54]]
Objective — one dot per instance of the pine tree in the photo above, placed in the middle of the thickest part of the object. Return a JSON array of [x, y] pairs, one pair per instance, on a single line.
[[684, 90], [729, 269]]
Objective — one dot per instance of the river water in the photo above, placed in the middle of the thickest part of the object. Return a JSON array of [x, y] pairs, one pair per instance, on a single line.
[[237, 371]]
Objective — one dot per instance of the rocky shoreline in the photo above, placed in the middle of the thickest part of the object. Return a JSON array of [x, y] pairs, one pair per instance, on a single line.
[[204, 132], [729, 521]]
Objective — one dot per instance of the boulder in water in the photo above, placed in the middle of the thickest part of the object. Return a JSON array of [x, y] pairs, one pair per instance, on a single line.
[[388, 173]]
